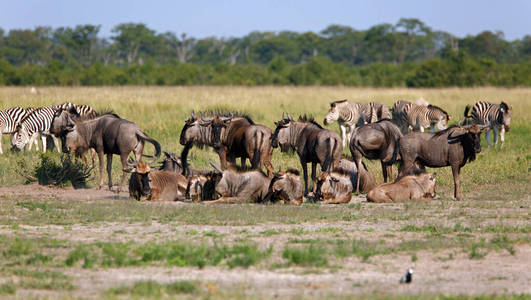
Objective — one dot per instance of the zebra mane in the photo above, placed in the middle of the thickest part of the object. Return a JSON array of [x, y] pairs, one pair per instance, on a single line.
[[333, 104], [504, 106], [430, 106], [309, 119]]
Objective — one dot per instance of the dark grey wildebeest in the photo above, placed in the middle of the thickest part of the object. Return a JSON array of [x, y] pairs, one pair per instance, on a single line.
[[453, 147], [235, 186], [313, 144], [376, 141], [232, 136], [107, 134]]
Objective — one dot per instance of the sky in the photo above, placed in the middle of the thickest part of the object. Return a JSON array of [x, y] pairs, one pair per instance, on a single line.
[[236, 18]]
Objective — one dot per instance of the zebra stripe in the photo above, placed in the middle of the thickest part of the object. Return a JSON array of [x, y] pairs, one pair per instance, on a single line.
[[10, 118], [495, 116]]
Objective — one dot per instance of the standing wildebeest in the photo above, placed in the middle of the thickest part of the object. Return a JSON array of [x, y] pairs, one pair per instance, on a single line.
[[160, 185], [419, 185], [313, 144], [286, 187], [376, 141], [496, 116], [453, 147], [349, 115], [235, 186], [232, 137], [107, 134]]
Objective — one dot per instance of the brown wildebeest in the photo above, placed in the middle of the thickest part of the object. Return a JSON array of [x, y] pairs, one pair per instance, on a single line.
[[232, 136], [313, 144], [419, 185], [286, 187], [157, 185], [376, 141], [334, 187], [107, 134], [195, 187], [235, 186], [453, 147], [349, 168]]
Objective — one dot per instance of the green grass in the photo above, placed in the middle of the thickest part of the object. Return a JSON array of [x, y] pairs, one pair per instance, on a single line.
[[153, 289], [312, 255]]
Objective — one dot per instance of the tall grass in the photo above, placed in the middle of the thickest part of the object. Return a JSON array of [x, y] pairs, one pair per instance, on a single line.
[[161, 111]]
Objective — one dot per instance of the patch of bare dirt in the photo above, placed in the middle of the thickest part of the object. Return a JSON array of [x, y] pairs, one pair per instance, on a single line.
[[49, 192]]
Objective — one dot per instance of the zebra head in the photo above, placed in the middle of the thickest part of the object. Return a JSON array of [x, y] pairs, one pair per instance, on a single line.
[[20, 138], [333, 112], [505, 116]]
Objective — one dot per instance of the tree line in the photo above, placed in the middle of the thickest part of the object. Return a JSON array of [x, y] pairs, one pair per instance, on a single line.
[[408, 53]]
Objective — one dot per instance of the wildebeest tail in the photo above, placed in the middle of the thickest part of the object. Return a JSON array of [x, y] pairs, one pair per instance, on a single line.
[[142, 136], [258, 143], [331, 149]]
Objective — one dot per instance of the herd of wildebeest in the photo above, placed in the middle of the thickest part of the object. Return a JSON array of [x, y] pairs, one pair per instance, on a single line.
[[370, 130]]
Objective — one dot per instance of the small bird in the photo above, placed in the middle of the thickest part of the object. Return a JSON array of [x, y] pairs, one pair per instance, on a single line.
[[408, 277]]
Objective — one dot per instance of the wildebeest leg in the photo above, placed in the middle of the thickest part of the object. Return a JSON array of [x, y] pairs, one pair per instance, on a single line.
[[242, 161], [100, 156], [487, 137], [305, 174], [338, 200], [314, 177], [123, 158], [109, 169], [455, 172], [384, 171], [356, 155]]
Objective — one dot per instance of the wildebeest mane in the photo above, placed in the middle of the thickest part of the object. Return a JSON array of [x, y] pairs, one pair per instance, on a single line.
[[309, 119], [445, 131], [226, 113], [98, 114], [293, 171]]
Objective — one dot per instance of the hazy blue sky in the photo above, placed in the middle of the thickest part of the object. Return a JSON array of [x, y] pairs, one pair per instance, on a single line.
[[201, 18]]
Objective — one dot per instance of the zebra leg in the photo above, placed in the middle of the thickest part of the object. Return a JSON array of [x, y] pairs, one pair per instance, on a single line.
[[44, 142], [1, 152], [421, 128], [487, 137], [495, 135], [56, 143], [343, 134], [502, 135]]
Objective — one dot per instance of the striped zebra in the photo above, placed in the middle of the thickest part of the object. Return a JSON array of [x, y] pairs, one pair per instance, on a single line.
[[35, 123], [348, 115], [9, 120], [419, 117], [378, 111], [496, 116], [399, 115], [82, 110]]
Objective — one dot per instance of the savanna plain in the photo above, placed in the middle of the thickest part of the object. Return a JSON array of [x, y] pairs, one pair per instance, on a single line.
[[60, 242]]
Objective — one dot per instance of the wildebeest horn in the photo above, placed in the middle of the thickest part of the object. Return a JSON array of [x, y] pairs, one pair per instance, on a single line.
[[193, 115], [282, 115], [131, 162], [216, 167], [289, 117]]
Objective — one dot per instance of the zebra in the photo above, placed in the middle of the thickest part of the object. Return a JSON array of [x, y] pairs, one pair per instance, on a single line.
[[9, 120], [399, 114], [82, 110], [496, 116], [35, 123], [378, 111], [348, 115], [419, 117]]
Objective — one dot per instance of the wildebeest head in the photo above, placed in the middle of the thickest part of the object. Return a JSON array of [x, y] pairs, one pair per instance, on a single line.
[[470, 139], [172, 163], [286, 186], [60, 118], [473, 134], [209, 187], [281, 136], [326, 183], [505, 116], [194, 189], [333, 112], [427, 182], [71, 138], [140, 174], [217, 126], [190, 132]]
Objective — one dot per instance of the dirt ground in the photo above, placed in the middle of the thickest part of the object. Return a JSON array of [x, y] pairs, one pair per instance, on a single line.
[[442, 271]]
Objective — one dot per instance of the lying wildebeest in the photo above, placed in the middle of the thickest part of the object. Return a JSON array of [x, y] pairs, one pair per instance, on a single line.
[[334, 187], [232, 136], [312, 143], [286, 187], [418, 185], [195, 187], [156, 185], [496, 116], [107, 134], [348, 168], [453, 147], [376, 141], [174, 163], [234, 186]]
